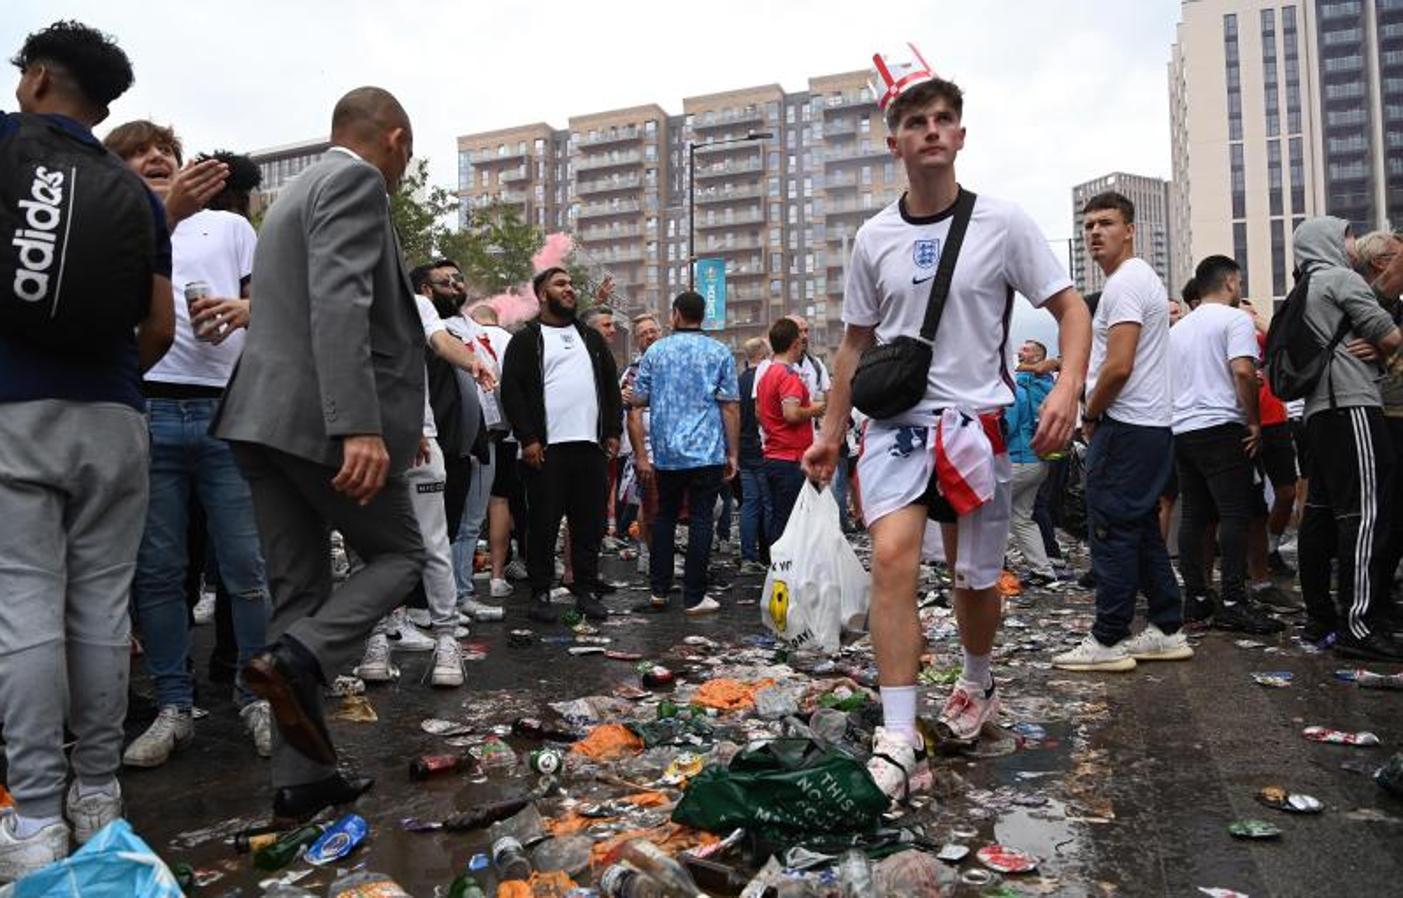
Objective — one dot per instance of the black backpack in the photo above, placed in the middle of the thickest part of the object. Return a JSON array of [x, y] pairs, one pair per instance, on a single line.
[[78, 239], [1296, 356]]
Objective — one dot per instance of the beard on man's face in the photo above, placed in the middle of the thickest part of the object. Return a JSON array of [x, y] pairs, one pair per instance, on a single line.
[[559, 309], [447, 305]]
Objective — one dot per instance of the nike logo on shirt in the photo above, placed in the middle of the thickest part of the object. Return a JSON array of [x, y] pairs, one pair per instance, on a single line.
[[916, 280]]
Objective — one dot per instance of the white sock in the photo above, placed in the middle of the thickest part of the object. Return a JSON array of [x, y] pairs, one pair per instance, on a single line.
[[28, 826], [976, 670], [899, 711], [108, 788], [1260, 585]]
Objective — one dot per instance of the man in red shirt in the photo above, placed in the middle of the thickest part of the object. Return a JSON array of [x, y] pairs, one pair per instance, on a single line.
[[786, 414]]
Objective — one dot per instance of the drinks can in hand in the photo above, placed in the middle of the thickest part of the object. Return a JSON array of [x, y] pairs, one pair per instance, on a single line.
[[197, 290]]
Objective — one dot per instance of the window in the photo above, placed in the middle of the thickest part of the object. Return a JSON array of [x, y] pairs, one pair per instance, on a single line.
[[1239, 251], [1298, 177], [1291, 55], [1278, 256], [1274, 176], [1238, 177]]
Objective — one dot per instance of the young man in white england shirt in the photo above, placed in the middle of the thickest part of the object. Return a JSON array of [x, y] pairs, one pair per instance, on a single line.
[[1131, 452], [894, 256]]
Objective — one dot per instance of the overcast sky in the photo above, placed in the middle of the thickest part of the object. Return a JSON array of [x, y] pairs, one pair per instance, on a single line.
[[1056, 92]]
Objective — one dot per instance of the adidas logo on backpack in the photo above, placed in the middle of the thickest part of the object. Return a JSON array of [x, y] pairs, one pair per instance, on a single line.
[[43, 213]]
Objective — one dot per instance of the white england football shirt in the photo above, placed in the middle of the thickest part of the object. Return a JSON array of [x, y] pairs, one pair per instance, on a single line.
[[894, 260]]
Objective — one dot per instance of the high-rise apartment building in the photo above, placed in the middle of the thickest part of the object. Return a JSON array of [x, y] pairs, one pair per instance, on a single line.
[[1150, 197], [1280, 111], [781, 183], [281, 164]]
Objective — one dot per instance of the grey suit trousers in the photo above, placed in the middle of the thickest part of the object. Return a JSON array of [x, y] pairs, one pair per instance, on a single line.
[[296, 506]]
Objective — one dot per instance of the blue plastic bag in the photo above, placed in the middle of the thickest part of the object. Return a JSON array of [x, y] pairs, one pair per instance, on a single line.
[[115, 863]]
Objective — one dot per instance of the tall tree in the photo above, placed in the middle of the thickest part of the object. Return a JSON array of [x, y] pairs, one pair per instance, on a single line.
[[417, 212]]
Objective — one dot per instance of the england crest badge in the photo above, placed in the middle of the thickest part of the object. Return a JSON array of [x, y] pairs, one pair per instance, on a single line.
[[926, 252]]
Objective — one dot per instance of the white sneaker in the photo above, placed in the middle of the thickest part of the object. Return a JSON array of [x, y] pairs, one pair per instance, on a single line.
[[1151, 644], [404, 636], [966, 712], [258, 720], [707, 605], [893, 762], [20, 857], [419, 617], [448, 663], [1090, 654], [722, 547], [172, 729], [516, 570], [562, 595], [90, 813], [499, 589], [203, 612], [375, 666]]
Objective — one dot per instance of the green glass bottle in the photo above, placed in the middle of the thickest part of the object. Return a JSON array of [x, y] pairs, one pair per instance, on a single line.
[[286, 848], [465, 887]]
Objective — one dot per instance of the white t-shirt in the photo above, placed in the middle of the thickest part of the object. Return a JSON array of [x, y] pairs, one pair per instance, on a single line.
[[1201, 347], [428, 317], [217, 248], [475, 337], [1134, 293], [572, 406], [894, 258]]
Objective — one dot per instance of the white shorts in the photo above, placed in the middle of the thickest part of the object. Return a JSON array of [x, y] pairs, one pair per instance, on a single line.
[[896, 468]]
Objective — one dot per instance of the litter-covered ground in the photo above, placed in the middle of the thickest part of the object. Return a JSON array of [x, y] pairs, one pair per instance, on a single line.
[[1174, 779]]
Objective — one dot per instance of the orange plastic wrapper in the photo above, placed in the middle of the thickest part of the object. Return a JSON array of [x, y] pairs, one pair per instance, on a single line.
[[670, 837], [608, 742], [5, 799], [1009, 585], [540, 885], [569, 824], [646, 799], [728, 695]]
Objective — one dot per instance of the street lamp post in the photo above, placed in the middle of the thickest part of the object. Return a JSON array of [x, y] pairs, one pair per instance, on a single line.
[[692, 195]]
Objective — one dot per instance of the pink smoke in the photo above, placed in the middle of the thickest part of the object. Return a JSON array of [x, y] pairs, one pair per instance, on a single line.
[[519, 304], [556, 248]]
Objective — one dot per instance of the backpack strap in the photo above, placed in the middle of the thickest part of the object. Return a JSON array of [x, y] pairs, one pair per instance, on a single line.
[[940, 286]]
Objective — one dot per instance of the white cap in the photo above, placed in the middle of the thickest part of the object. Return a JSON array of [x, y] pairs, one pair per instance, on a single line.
[[895, 77]]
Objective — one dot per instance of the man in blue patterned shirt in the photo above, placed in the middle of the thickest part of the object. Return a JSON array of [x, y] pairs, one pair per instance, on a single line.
[[688, 381]]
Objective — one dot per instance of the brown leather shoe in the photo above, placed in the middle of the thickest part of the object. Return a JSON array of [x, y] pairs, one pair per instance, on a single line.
[[291, 691]]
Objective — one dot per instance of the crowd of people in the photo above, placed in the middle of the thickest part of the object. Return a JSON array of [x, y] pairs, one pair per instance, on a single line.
[[321, 437]]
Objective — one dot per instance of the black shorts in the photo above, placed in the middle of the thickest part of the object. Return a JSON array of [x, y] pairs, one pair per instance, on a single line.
[[938, 508], [1171, 486], [1298, 437], [506, 481], [1277, 458]]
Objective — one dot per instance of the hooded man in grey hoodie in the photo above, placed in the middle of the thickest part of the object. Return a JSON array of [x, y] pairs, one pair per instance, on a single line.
[[1351, 455]]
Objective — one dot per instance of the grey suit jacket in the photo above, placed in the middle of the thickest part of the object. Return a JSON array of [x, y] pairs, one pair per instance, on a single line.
[[334, 344]]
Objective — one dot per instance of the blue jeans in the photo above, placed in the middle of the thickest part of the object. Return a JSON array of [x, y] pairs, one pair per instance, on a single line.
[[1127, 467], [785, 479], [700, 486], [470, 527], [185, 459], [754, 511]]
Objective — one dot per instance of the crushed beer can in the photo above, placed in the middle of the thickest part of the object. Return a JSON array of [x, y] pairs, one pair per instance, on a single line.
[[1275, 679], [339, 840], [1253, 829], [1003, 859], [545, 761], [1280, 799]]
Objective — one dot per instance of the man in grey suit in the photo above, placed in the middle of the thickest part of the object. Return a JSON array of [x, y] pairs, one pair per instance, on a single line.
[[324, 413]]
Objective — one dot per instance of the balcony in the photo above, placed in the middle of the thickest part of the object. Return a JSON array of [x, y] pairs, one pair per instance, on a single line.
[[848, 207], [616, 256], [623, 135], [839, 181], [487, 157], [858, 154], [598, 235], [603, 210], [730, 168], [714, 195], [839, 129], [731, 221], [731, 246], [614, 160], [708, 121], [727, 145], [851, 101], [508, 177], [608, 185]]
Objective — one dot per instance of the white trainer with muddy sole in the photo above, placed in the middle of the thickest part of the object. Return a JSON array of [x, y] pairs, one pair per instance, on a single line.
[[1153, 644], [1091, 655]]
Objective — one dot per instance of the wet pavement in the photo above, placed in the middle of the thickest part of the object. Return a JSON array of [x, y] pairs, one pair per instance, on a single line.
[[1121, 784]]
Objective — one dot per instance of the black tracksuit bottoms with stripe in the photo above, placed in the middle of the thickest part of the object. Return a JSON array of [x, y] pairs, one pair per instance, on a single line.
[[1351, 463]]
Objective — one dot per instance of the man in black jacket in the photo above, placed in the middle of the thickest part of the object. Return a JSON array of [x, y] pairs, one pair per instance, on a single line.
[[560, 391]]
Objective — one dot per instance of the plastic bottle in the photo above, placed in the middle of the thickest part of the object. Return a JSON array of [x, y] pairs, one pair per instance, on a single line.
[[568, 853], [526, 827], [622, 881], [829, 724], [510, 859], [659, 866], [854, 874], [366, 884], [714, 877], [287, 847]]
